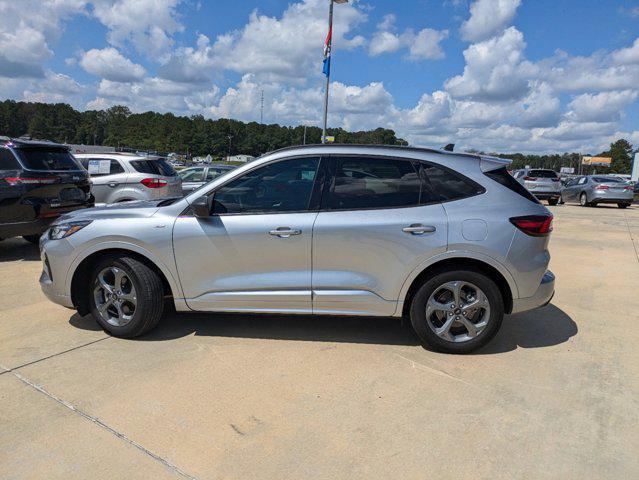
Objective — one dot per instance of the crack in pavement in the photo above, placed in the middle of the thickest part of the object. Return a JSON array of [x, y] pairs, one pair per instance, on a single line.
[[634, 244], [7, 370], [101, 424]]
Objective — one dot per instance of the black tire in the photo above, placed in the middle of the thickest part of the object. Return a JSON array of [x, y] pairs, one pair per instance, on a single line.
[[583, 200], [623, 205], [35, 239], [553, 201], [149, 293], [430, 338]]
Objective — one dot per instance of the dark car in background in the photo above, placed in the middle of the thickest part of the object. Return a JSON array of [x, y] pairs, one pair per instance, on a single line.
[[39, 181]]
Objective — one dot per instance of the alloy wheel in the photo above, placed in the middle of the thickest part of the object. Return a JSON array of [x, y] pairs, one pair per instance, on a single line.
[[458, 311], [115, 297]]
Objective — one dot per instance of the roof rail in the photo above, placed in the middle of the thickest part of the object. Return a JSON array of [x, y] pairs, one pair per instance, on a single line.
[[363, 145]]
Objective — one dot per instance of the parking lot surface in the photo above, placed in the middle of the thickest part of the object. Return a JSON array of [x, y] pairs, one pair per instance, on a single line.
[[555, 395]]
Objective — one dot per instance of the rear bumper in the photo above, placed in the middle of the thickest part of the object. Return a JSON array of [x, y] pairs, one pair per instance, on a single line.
[[545, 195], [38, 225], [542, 296], [627, 200]]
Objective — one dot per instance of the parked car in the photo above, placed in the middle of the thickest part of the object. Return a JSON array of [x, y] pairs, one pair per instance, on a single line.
[[543, 184], [194, 177], [449, 240], [122, 177], [39, 181], [590, 190]]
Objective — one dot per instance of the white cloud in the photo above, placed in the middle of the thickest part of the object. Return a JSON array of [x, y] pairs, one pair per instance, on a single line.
[[27, 29], [285, 49], [110, 64], [426, 44], [148, 25], [628, 55], [488, 18], [496, 69], [423, 45], [600, 107], [55, 87], [541, 108]]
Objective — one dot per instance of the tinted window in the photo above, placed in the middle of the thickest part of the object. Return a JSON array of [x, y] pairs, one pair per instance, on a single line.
[[442, 185], [154, 167], [7, 160], [47, 159], [284, 186], [114, 166], [542, 174], [192, 175], [607, 180], [502, 177], [373, 183]]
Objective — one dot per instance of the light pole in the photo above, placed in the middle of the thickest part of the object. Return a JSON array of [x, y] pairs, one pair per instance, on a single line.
[[327, 62]]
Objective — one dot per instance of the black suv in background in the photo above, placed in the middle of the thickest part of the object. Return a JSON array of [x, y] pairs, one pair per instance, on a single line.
[[39, 181]]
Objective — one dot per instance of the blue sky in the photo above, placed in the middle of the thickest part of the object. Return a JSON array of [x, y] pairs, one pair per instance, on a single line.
[[497, 75]]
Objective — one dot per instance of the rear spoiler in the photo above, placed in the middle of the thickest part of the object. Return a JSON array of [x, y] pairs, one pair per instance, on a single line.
[[488, 163]]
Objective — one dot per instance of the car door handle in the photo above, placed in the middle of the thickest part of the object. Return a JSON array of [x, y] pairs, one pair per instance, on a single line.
[[284, 232], [419, 229], [113, 184]]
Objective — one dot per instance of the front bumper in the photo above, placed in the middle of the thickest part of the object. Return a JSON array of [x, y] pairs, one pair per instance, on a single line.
[[56, 257], [542, 296]]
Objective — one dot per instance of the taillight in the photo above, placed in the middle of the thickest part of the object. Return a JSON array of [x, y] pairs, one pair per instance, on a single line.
[[530, 179], [602, 187], [534, 225], [30, 180], [153, 182], [628, 187]]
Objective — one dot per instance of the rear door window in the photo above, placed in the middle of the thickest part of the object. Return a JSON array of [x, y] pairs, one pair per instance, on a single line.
[[370, 183], [154, 167], [47, 159], [7, 160], [96, 166], [443, 185]]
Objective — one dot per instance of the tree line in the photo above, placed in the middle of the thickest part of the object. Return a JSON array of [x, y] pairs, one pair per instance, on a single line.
[[196, 135]]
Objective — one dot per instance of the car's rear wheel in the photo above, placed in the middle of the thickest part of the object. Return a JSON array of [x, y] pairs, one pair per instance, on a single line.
[[35, 239], [583, 200], [126, 296], [457, 311], [553, 201]]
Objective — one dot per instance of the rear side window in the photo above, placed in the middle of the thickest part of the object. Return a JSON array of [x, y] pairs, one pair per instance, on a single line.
[[542, 174], [7, 160], [96, 166], [607, 180], [154, 167], [47, 159], [502, 177], [362, 183], [443, 185]]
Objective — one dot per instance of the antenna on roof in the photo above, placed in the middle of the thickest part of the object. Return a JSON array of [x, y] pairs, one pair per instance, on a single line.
[[449, 147]]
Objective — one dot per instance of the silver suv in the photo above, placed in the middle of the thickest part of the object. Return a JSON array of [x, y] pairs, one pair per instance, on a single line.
[[122, 177], [542, 183], [449, 240]]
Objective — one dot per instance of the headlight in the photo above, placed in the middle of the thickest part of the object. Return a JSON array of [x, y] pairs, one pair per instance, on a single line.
[[63, 230]]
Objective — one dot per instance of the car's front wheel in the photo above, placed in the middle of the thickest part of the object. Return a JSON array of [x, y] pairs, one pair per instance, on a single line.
[[583, 200], [457, 311], [126, 296], [623, 205], [553, 201]]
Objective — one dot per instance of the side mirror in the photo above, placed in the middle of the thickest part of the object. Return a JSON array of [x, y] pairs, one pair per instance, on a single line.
[[202, 206]]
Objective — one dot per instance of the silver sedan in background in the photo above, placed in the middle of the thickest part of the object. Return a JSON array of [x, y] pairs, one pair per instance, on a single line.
[[590, 190], [194, 177]]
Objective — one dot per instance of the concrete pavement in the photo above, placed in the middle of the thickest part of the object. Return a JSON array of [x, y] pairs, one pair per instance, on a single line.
[[555, 395]]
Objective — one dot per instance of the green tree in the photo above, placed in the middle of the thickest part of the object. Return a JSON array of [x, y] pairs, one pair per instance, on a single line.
[[621, 154]]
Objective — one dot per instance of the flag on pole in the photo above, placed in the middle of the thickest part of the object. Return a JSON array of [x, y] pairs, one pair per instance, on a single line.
[[326, 69]]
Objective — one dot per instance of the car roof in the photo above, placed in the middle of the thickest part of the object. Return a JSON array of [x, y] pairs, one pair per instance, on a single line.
[[116, 156], [29, 143], [436, 155]]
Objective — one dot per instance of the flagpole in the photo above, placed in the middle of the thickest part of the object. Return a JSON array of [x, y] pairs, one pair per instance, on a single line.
[[328, 74]]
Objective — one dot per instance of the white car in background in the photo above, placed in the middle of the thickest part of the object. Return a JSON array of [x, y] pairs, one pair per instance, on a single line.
[[123, 177]]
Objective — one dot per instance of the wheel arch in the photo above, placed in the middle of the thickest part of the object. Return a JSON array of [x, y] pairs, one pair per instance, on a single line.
[[81, 273], [506, 285]]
